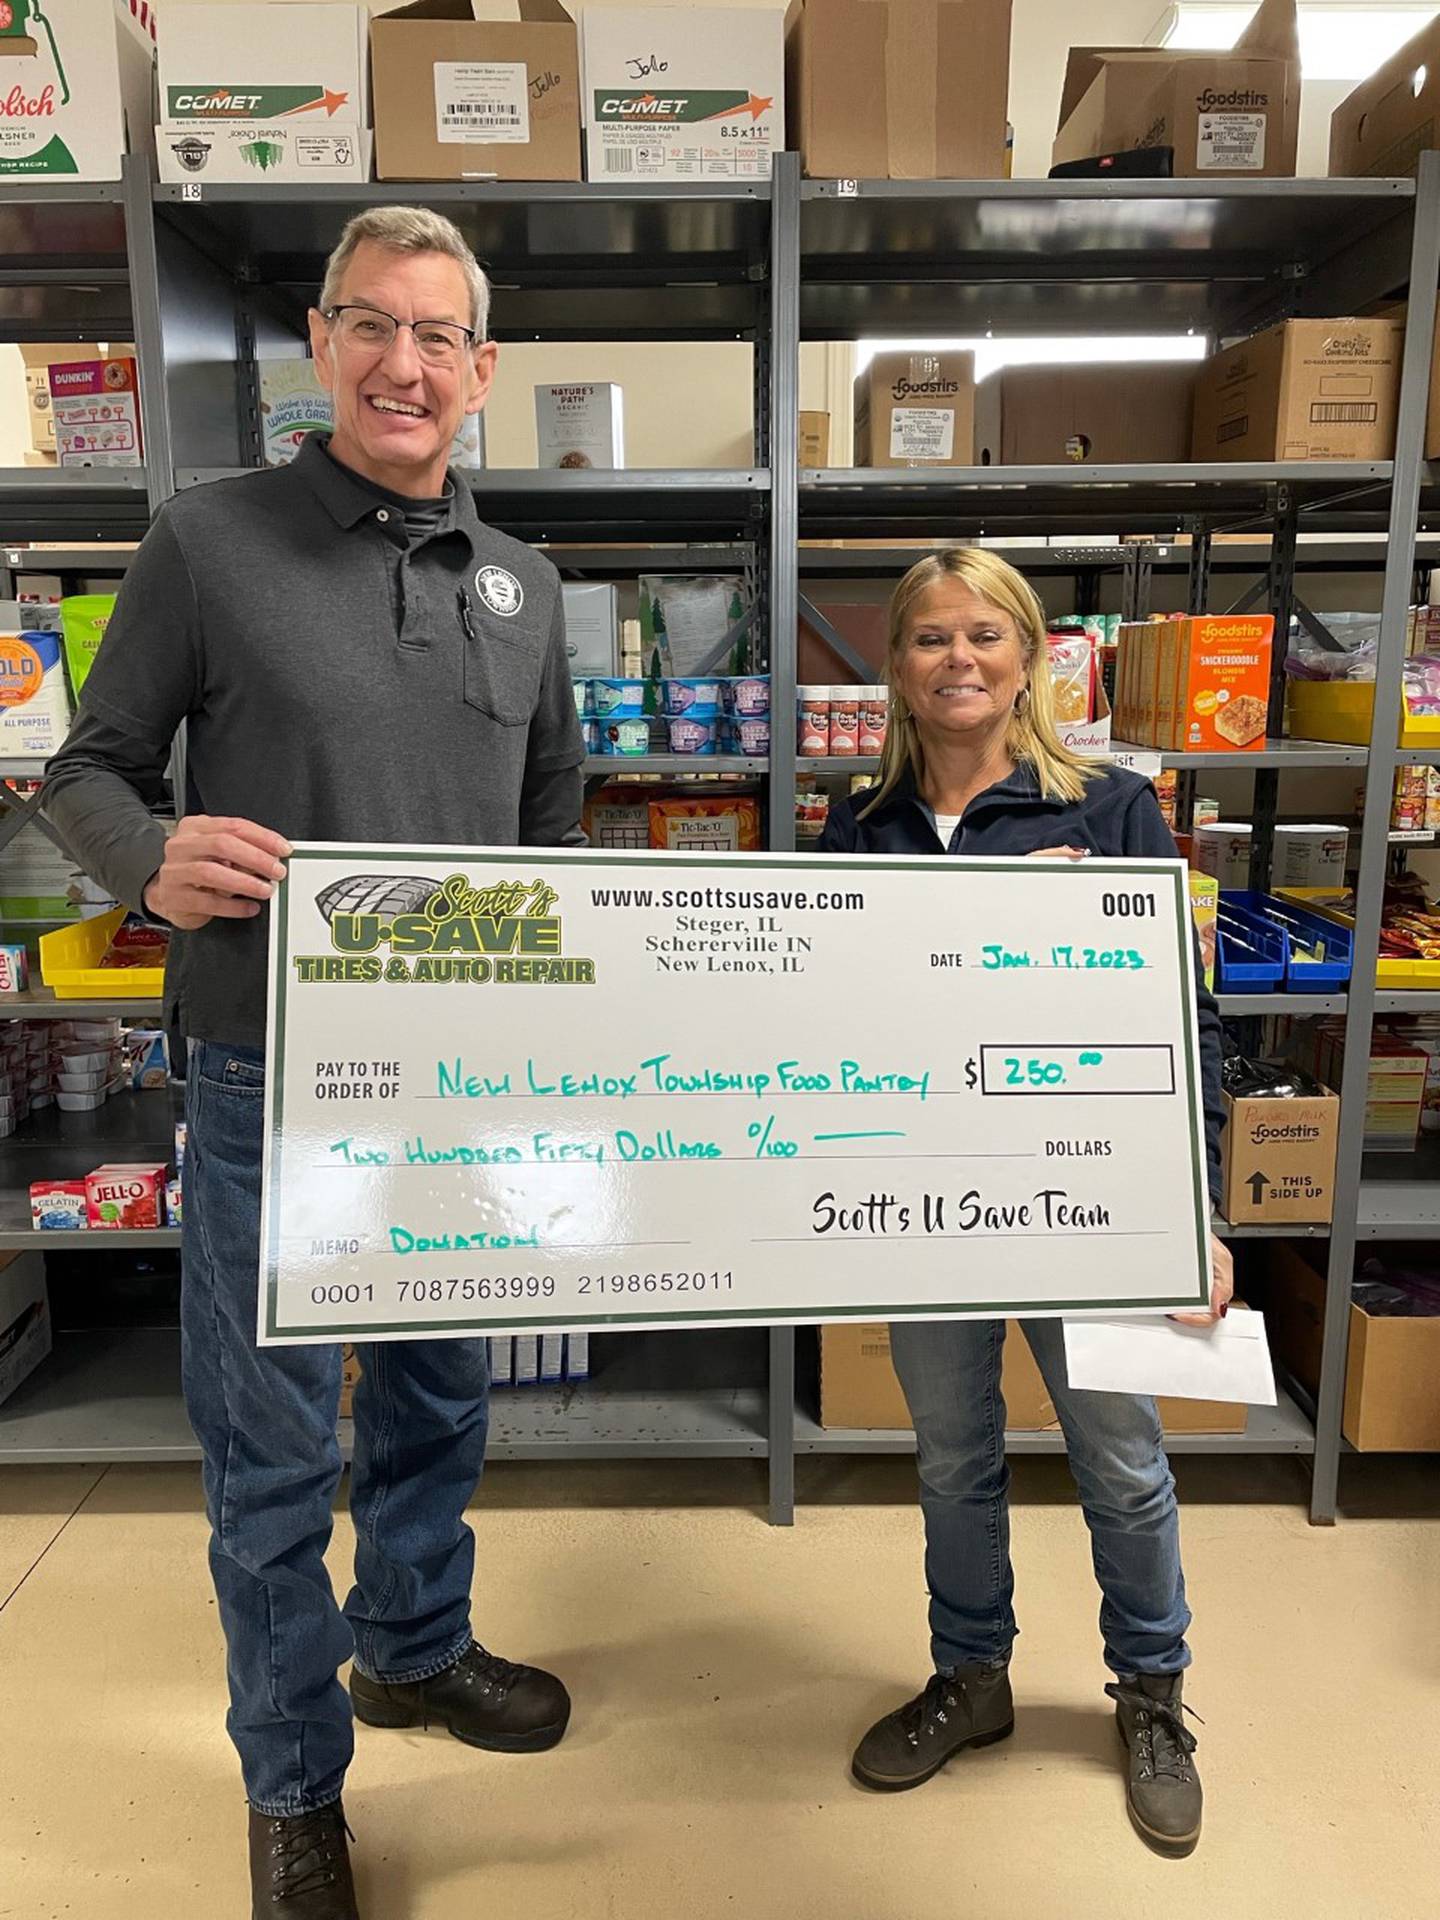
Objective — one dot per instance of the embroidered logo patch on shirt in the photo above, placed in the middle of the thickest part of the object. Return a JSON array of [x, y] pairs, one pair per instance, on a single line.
[[501, 591]]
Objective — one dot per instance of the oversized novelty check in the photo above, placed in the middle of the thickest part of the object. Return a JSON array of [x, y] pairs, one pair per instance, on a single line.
[[517, 1090]]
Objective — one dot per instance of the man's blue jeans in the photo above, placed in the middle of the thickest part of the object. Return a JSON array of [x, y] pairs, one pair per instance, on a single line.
[[265, 1419], [950, 1371]]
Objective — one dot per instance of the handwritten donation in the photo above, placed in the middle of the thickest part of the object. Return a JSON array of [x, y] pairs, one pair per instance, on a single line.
[[513, 1090]]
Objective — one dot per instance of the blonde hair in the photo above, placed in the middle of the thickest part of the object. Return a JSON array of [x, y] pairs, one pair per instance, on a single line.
[[1030, 736], [409, 230]]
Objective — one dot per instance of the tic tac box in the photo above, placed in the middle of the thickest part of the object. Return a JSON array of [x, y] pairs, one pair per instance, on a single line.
[[1278, 1160], [872, 93], [580, 425], [1229, 115], [1390, 119], [96, 405], [682, 93], [1305, 390], [1084, 415], [75, 87], [240, 99], [25, 1335], [476, 90], [916, 410]]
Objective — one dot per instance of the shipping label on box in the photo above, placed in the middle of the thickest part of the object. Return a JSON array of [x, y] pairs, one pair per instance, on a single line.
[[682, 93], [916, 410], [1278, 1159], [477, 89], [75, 87], [97, 413]]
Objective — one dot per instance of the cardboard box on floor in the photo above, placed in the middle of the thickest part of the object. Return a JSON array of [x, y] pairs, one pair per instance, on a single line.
[[871, 96], [76, 88], [682, 93], [916, 410], [1305, 390], [475, 90], [242, 100], [1225, 115], [1391, 1405], [858, 1387], [1089, 415], [1278, 1160], [1390, 119]]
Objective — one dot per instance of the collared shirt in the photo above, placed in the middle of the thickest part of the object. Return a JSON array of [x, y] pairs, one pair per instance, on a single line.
[[337, 682], [1117, 815]]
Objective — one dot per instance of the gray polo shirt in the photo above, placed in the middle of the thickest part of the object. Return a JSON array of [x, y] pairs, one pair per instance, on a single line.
[[338, 684]]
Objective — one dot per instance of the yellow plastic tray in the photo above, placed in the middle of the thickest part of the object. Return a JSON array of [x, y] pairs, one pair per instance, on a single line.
[[1390, 970], [1345, 710], [70, 964]]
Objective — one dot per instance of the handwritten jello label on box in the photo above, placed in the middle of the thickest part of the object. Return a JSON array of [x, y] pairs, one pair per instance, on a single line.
[[512, 1090]]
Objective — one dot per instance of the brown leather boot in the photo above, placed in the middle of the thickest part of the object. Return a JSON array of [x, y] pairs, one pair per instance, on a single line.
[[300, 1866]]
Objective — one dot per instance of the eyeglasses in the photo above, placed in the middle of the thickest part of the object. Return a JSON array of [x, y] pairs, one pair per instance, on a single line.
[[371, 330]]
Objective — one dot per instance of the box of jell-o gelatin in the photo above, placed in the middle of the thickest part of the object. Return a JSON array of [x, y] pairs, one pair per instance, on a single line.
[[127, 1195], [58, 1205]]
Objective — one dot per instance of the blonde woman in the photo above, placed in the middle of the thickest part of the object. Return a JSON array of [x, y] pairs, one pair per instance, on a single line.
[[973, 765]]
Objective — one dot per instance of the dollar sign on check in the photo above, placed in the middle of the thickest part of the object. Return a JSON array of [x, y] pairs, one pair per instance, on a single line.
[[971, 1077]]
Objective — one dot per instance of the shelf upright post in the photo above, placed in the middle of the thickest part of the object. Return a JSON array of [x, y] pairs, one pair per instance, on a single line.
[[1379, 781], [784, 582], [149, 336]]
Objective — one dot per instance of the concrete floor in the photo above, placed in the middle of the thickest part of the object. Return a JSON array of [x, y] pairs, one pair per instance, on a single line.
[[721, 1671]]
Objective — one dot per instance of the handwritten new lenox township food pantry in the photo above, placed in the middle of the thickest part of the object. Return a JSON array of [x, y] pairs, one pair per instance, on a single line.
[[656, 1098]]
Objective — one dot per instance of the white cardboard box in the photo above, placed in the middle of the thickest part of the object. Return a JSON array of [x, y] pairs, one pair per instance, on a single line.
[[25, 1336], [682, 93], [293, 403], [241, 100], [592, 627], [251, 62], [580, 425], [75, 88]]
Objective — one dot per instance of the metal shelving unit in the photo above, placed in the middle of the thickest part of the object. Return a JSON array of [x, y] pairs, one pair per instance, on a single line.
[[211, 284]]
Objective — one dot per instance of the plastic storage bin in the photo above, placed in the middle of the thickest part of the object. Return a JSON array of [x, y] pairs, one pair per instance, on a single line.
[[70, 964], [1303, 931]]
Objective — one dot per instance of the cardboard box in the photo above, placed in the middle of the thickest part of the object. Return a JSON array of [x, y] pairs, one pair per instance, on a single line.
[[580, 425], [293, 403], [1224, 115], [858, 1387], [241, 100], [25, 1335], [38, 358], [1278, 1160], [1088, 415], [1390, 119], [868, 92], [1391, 1405], [96, 404], [592, 627], [682, 93], [75, 87], [814, 443], [916, 410], [476, 90], [1305, 390]]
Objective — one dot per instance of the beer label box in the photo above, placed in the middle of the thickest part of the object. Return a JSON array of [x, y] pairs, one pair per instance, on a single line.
[[916, 410], [76, 79], [870, 94], [477, 89], [682, 93]]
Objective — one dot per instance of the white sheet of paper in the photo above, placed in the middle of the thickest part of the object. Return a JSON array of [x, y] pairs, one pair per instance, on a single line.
[[1132, 1353]]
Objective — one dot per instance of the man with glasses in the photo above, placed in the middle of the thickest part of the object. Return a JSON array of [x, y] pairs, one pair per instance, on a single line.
[[355, 657]]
